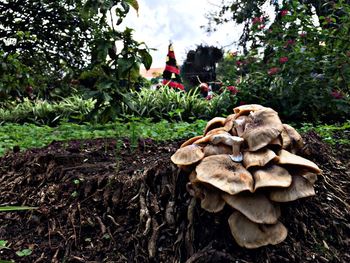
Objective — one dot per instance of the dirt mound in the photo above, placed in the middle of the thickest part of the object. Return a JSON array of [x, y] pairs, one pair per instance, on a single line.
[[106, 201]]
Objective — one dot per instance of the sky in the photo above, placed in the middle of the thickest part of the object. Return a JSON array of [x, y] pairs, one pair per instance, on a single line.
[[179, 21]]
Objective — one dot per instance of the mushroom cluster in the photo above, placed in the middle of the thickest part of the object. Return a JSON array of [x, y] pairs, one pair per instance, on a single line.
[[248, 161]]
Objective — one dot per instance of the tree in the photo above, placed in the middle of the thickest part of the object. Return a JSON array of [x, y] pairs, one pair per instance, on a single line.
[[245, 11], [294, 65], [63, 39]]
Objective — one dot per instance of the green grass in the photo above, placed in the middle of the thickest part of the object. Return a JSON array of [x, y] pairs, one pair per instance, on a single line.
[[327, 132], [32, 136]]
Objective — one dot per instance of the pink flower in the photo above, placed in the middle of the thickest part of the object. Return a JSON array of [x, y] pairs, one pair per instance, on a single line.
[[302, 34], [284, 12], [261, 27], [283, 60], [257, 20], [232, 89], [337, 94], [209, 97], [273, 71], [233, 53], [290, 42]]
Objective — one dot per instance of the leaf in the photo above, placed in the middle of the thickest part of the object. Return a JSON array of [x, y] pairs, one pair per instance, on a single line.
[[134, 4], [146, 58], [24, 252], [124, 65], [16, 208]]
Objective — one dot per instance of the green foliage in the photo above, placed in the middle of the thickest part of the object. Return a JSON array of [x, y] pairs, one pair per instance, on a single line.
[[15, 208], [31, 136], [45, 112], [24, 252], [304, 72], [3, 244], [170, 104], [76, 44], [166, 103], [328, 132]]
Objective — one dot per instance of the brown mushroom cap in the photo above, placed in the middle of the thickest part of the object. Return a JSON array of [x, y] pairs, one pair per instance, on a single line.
[[257, 207], [252, 235], [258, 158], [191, 140], [212, 201], [299, 188], [220, 148], [276, 144], [239, 124], [288, 158], [214, 123], [229, 123], [262, 127], [272, 175], [246, 109], [208, 137], [295, 142], [188, 155], [225, 174], [210, 197]]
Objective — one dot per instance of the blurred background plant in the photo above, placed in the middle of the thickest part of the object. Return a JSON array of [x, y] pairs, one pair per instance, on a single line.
[[298, 63], [295, 60]]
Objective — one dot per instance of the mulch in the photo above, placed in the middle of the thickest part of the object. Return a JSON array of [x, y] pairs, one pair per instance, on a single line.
[[114, 201]]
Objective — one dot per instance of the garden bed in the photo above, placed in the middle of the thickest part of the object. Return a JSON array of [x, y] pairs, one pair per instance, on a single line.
[[108, 201]]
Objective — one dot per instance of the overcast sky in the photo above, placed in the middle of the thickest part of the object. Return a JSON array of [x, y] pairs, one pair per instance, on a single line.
[[179, 21]]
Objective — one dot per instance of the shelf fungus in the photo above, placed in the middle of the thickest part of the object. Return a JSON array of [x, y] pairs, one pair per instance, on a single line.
[[248, 163]]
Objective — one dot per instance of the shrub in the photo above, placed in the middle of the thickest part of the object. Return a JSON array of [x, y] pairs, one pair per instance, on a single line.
[[43, 112], [304, 72]]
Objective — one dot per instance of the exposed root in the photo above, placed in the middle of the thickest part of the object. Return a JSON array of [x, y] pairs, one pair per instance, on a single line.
[[144, 212], [190, 232]]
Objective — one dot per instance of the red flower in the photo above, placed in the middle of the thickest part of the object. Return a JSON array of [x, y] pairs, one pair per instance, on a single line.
[[204, 87], [283, 60], [273, 71], [232, 89], [242, 103], [257, 20], [239, 63], [209, 97], [261, 27], [302, 34], [284, 12], [29, 89], [337, 94], [290, 42]]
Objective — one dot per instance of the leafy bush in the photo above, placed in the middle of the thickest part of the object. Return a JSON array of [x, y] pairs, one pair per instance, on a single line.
[[304, 70], [44, 112], [166, 103], [171, 104]]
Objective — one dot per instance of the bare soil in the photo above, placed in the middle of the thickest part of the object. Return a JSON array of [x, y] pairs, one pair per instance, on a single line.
[[100, 202]]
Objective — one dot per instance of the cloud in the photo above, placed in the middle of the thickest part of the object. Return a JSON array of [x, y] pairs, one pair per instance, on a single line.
[[179, 21]]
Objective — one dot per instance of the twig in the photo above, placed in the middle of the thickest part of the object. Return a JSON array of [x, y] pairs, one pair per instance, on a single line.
[[144, 212]]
